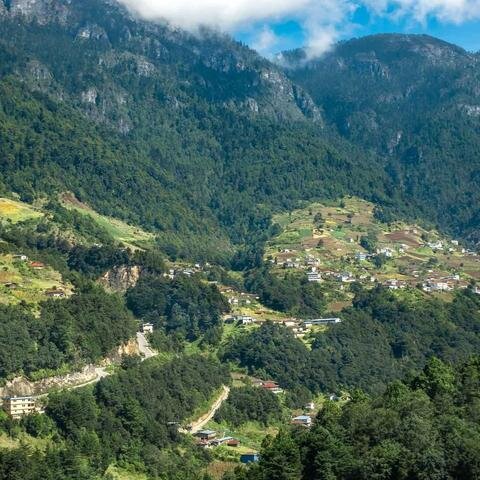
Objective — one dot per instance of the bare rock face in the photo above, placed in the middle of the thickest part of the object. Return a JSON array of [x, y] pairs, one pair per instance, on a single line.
[[43, 11], [120, 279], [20, 386]]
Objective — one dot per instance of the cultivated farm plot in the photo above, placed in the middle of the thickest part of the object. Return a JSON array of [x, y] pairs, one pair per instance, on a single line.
[[328, 236], [19, 282]]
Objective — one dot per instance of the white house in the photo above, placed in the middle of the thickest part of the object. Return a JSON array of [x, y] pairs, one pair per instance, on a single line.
[[147, 328]]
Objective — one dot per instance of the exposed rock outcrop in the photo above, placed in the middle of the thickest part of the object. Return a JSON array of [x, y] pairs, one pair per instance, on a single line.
[[120, 279]]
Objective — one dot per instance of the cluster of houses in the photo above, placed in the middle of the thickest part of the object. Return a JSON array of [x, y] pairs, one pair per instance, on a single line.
[[299, 327], [175, 272], [443, 284], [241, 320], [210, 439]]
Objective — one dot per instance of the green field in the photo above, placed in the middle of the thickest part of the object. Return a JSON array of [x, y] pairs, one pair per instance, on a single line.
[[131, 236], [15, 211], [30, 284]]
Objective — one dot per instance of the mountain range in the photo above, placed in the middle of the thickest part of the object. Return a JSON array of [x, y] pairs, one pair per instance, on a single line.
[[199, 139]]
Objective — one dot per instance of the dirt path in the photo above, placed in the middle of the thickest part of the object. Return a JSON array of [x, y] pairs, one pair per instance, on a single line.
[[198, 424]]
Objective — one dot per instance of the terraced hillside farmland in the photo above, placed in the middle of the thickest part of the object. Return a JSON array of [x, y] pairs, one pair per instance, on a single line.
[[22, 279], [343, 243]]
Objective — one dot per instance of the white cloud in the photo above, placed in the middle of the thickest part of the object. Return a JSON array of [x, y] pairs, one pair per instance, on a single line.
[[266, 41], [224, 14], [323, 21]]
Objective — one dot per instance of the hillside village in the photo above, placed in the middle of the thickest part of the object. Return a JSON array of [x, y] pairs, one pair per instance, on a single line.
[[343, 243]]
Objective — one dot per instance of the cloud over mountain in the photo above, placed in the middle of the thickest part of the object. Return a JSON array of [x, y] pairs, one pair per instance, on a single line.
[[322, 21]]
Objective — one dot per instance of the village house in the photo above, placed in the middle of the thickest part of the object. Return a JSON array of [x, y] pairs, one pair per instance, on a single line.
[[147, 328], [321, 321], [11, 285], [291, 264], [229, 441], [345, 278], [438, 245], [37, 265], [392, 284], [314, 276], [55, 293], [244, 319], [20, 257], [302, 420], [206, 435], [18, 407], [437, 286], [310, 406], [360, 256], [388, 252], [271, 386]]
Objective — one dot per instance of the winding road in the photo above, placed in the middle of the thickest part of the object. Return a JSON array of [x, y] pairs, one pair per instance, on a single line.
[[200, 423]]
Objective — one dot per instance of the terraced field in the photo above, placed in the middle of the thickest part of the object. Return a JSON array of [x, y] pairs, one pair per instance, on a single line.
[[330, 239]]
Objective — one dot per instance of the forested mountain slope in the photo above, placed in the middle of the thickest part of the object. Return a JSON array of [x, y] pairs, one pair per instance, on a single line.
[[179, 133], [415, 101], [200, 139]]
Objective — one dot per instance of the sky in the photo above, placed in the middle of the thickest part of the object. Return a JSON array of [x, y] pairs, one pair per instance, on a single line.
[[271, 26]]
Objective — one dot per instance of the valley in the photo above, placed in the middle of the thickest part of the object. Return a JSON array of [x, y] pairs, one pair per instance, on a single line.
[[220, 266]]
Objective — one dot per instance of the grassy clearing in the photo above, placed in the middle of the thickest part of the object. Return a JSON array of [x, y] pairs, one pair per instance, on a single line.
[[9, 443], [251, 435], [129, 235], [118, 473], [15, 211]]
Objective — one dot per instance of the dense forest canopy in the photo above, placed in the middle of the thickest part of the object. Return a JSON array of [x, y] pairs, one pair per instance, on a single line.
[[125, 418], [82, 329], [423, 428], [200, 139], [381, 338], [197, 141]]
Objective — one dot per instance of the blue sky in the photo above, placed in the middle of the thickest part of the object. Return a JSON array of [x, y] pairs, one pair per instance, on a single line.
[[290, 34], [271, 26]]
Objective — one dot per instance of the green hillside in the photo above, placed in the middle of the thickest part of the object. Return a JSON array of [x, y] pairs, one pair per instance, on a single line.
[[344, 243]]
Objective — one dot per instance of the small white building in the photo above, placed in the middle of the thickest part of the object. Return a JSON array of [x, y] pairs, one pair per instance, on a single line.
[[302, 420], [147, 328], [314, 276], [310, 406], [321, 321]]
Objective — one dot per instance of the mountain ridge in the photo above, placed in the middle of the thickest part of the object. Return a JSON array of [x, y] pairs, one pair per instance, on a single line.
[[204, 137]]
